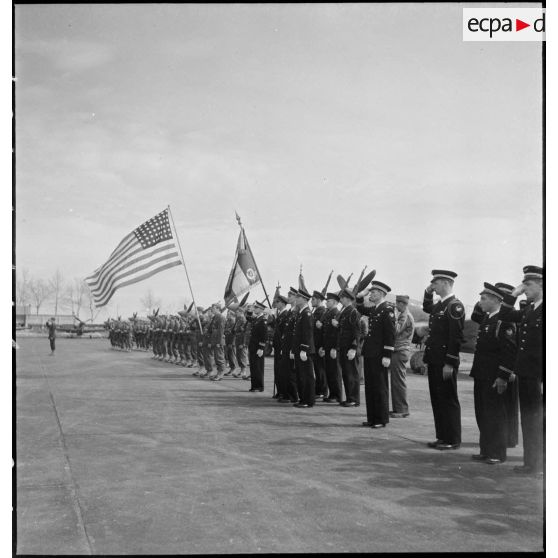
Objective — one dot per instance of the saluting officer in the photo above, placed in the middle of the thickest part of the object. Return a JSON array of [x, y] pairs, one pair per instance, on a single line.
[[492, 368], [529, 365], [303, 350], [51, 327], [377, 351], [256, 346], [328, 349], [318, 311], [441, 355], [348, 324]]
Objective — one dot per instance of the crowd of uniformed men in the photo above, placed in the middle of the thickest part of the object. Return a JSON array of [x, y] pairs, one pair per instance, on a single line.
[[318, 349]]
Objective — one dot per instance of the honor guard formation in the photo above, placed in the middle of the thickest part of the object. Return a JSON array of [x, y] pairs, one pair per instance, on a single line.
[[322, 340]]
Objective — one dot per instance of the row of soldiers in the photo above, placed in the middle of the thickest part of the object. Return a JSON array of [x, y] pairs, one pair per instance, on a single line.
[[317, 352]]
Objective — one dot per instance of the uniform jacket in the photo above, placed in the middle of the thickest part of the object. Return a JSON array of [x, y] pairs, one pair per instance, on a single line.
[[239, 329], [495, 350], [229, 327], [380, 340], [329, 332], [317, 315], [529, 362], [303, 335], [258, 333], [280, 323], [446, 323], [217, 329], [288, 330], [404, 330], [51, 326], [348, 335]]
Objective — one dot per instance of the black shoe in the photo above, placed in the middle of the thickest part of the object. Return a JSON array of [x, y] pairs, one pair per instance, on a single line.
[[493, 461], [393, 414], [444, 446], [252, 389], [331, 400], [302, 405], [260, 389], [478, 457], [276, 396], [379, 425], [366, 424], [349, 404], [434, 444]]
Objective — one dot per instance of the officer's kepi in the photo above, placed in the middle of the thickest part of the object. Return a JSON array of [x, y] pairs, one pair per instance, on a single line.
[[492, 290]]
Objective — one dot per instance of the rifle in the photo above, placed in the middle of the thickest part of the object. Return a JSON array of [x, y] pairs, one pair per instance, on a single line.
[[324, 290]]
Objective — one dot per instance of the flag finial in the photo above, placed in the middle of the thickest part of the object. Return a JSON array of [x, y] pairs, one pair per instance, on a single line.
[[238, 219]]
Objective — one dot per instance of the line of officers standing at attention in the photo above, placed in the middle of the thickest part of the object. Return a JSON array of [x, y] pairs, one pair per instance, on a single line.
[[317, 350]]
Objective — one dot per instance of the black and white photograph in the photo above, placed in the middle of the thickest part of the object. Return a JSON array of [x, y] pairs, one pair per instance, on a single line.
[[278, 278]]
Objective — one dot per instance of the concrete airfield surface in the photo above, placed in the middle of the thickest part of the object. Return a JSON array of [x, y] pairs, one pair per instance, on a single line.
[[120, 454]]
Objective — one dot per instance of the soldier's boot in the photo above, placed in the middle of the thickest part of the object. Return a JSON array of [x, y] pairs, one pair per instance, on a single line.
[[229, 372], [237, 374], [244, 374]]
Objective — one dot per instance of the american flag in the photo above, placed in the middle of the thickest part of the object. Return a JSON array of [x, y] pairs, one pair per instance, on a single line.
[[144, 252]]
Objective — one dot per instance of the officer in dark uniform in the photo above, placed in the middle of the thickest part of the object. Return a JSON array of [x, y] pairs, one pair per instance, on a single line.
[[511, 395], [377, 351], [256, 346], [318, 310], [303, 350], [529, 365], [280, 322], [329, 348], [289, 387], [348, 324], [51, 328], [441, 355], [492, 367]]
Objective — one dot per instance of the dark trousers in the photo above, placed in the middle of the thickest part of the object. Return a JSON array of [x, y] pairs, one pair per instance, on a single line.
[[445, 405], [376, 390], [256, 369], [52, 341], [531, 407], [351, 380], [287, 378], [320, 374], [306, 380], [333, 374], [490, 412], [512, 413], [277, 371]]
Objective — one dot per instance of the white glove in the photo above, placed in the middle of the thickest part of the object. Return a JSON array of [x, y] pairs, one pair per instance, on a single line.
[[447, 372], [303, 356], [291, 355], [333, 353], [334, 323], [321, 352], [351, 353], [512, 377], [259, 352], [319, 324], [500, 385], [386, 362]]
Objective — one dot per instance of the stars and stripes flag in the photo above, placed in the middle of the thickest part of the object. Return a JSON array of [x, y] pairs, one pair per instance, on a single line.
[[147, 250], [244, 273]]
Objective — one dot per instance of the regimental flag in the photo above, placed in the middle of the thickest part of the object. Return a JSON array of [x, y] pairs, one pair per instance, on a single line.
[[244, 273], [144, 252]]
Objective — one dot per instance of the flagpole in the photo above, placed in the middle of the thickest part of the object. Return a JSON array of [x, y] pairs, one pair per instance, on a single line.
[[185, 270], [255, 264]]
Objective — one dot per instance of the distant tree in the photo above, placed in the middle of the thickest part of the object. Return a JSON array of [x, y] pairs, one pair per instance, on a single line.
[[56, 284], [40, 291], [23, 294], [150, 302], [74, 295]]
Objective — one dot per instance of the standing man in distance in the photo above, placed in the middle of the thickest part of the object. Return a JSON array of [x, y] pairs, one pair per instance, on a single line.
[[51, 329], [280, 323], [288, 371], [441, 355], [318, 311]]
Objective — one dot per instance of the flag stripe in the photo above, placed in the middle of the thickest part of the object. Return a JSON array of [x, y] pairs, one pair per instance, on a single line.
[[131, 241], [147, 250], [133, 267], [103, 281], [139, 278]]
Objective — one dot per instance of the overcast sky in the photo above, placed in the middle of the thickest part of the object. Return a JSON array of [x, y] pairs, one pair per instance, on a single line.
[[344, 135]]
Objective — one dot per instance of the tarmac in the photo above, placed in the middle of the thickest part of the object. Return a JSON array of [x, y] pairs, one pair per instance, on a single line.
[[121, 454]]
